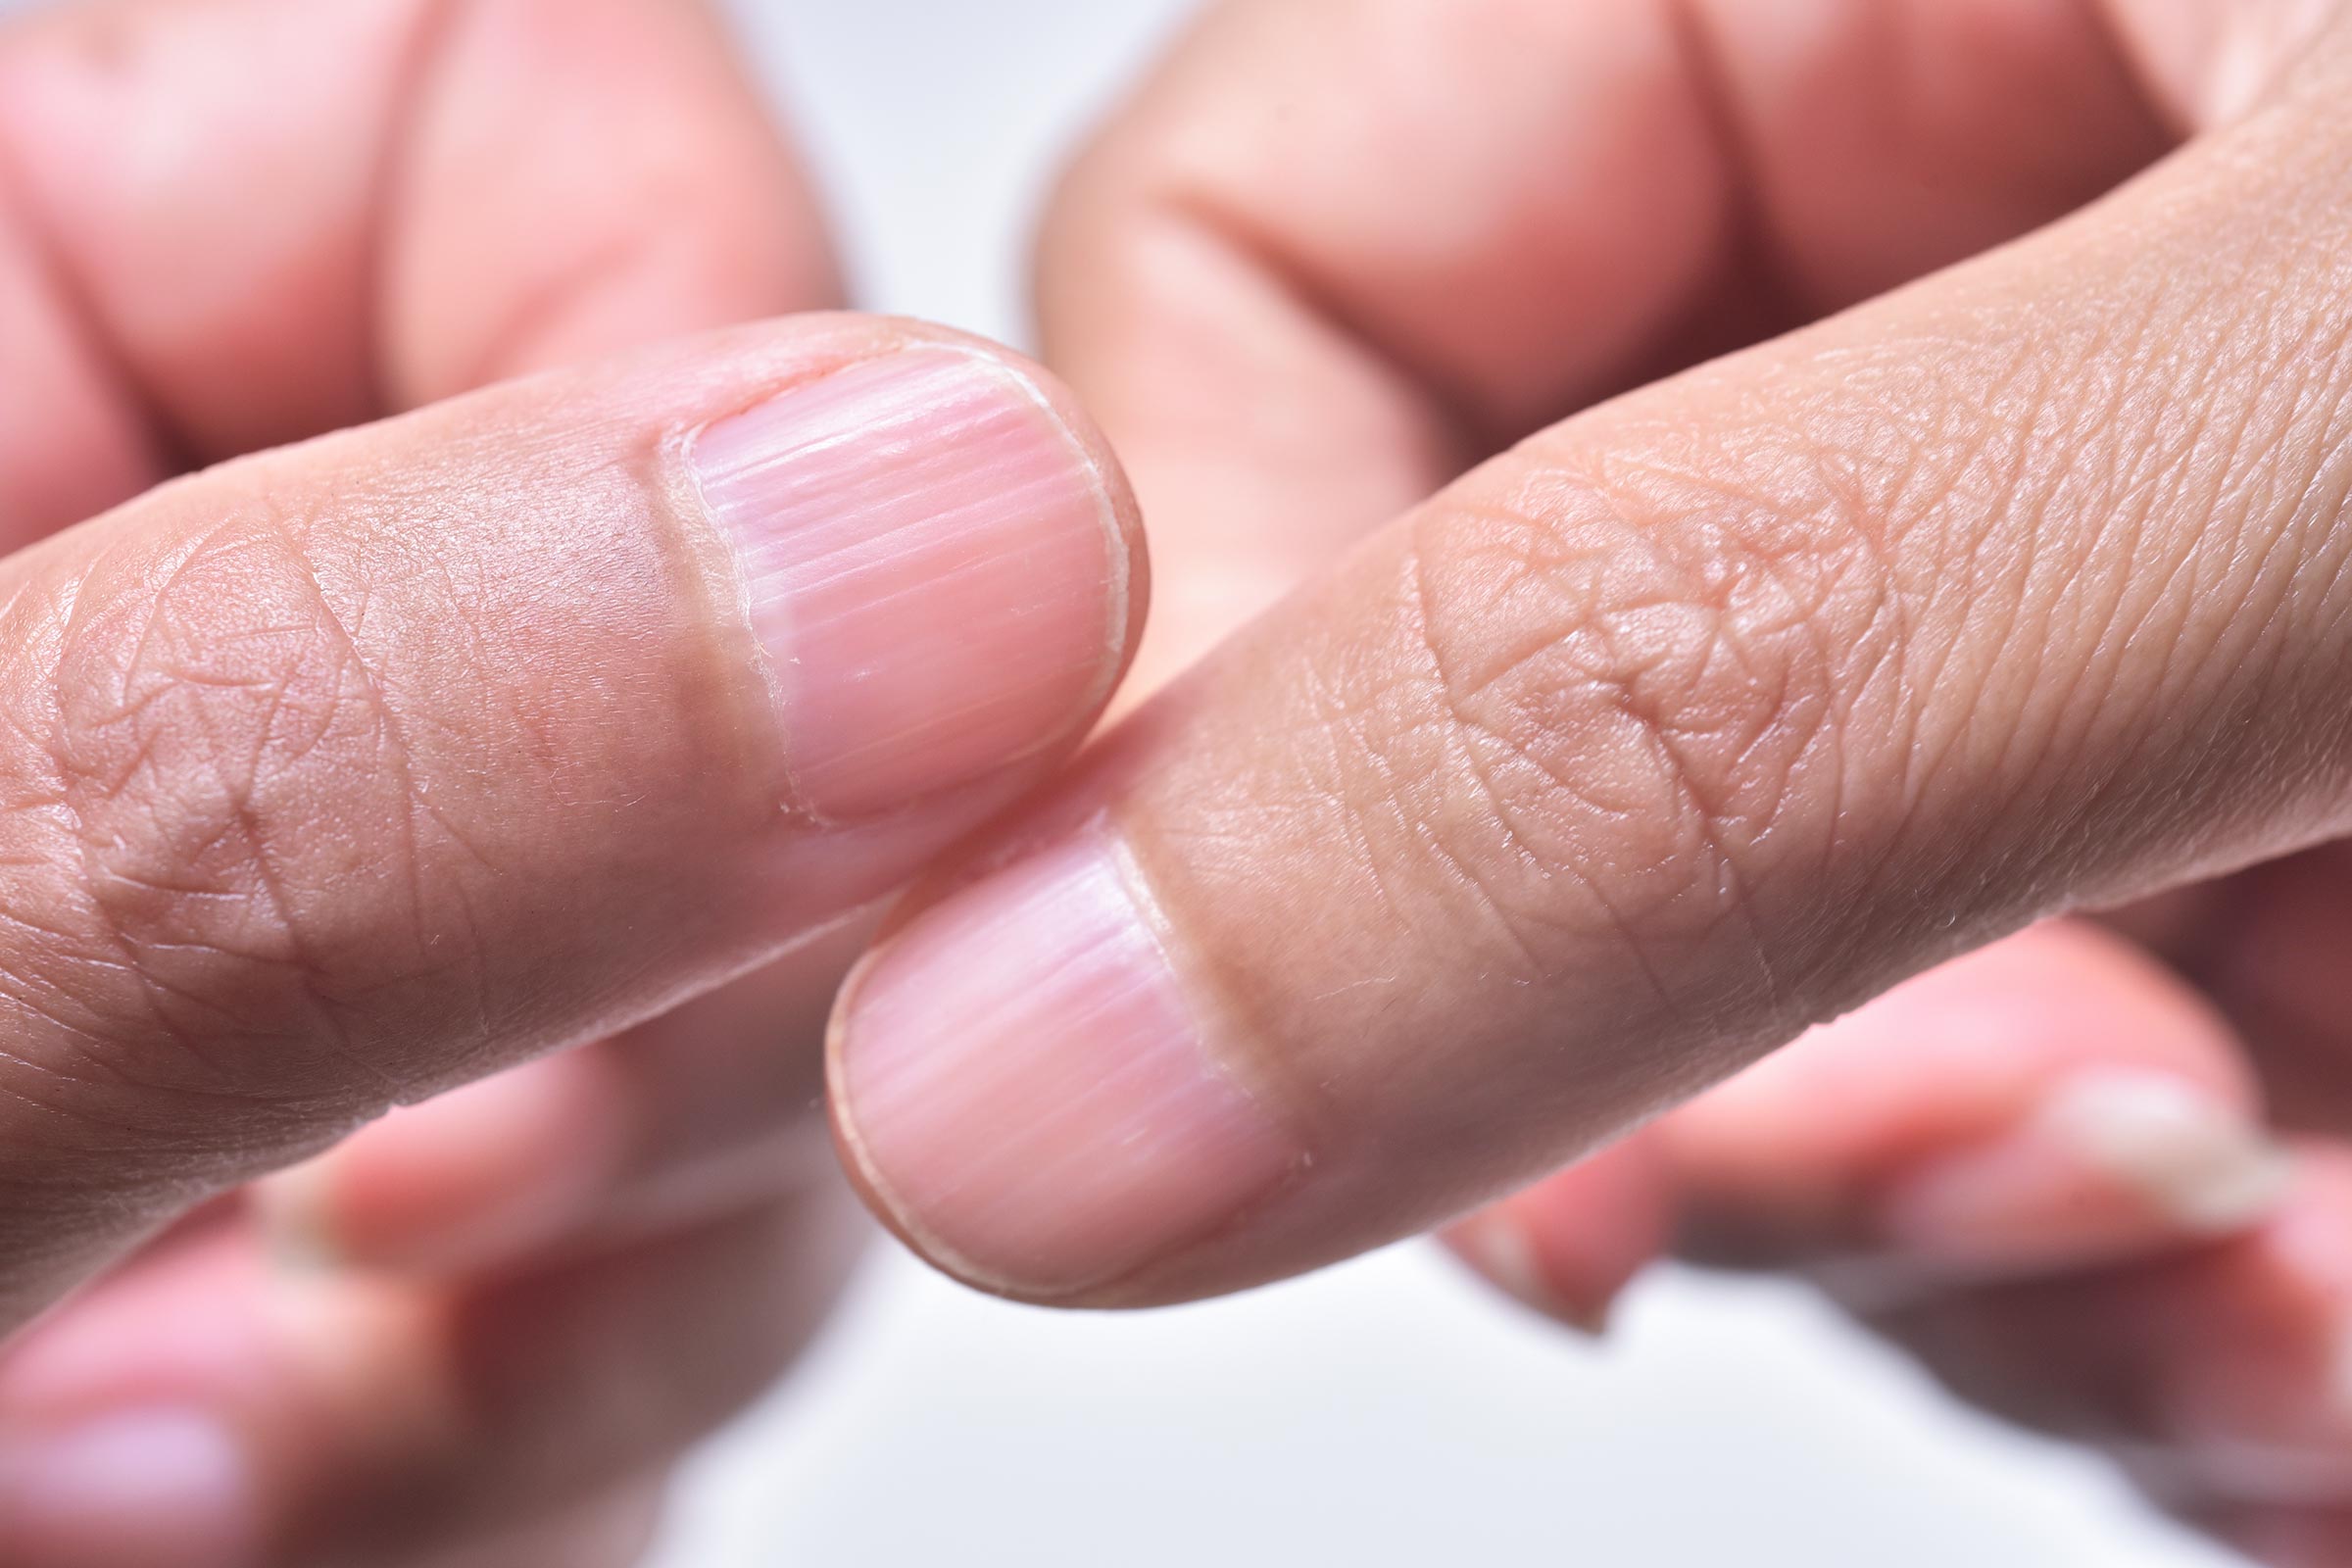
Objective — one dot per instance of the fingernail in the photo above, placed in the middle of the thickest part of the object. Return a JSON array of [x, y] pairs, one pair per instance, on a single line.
[[128, 1491], [2111, 1162], [294, 1212], [933, 564], [1502, 1252], [1024, 1085]]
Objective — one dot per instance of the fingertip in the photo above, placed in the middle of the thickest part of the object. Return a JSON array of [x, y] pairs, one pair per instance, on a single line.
[[1570, 1245], [1028, 1095], [939, 563]]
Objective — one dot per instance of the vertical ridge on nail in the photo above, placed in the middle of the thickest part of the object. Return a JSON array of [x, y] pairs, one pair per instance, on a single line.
[[932, 564], [1026, 1084]]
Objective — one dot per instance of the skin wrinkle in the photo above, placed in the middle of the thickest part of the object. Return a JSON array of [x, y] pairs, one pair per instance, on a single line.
[[238, 761], [2170, 618], [1719, 825], [1338, 718], [1346, 711], [1464, 731], [258, 893], [1887, 625], [1348, 724], [1924, 753], [2013, 482], [2026, 477], [2259, 630], [60, 796], [1700, 852], [105, 1125], [1731, 892], [414, 795], [2040, 556]]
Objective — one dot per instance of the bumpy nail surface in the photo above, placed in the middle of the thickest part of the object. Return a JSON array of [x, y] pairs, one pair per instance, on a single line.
[[1024, 1084], [930, 558], [2111, 1160], [130, 1489]]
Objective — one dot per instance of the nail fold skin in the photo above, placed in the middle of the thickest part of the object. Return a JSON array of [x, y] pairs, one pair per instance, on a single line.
[[932, 563], [1022, 1081]]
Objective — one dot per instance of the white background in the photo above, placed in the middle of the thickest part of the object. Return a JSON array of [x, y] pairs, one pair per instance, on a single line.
[[1387, 1414]]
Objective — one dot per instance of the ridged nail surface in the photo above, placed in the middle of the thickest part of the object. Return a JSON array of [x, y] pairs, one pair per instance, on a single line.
[[1027, 1087], [930, 559]]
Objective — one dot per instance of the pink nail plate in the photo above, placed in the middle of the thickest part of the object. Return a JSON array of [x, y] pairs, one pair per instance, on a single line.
[[1025, 1085], [931, 561]]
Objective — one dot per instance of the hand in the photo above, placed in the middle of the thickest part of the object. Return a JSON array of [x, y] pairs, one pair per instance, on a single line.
[[342, 774], [1709, 713]]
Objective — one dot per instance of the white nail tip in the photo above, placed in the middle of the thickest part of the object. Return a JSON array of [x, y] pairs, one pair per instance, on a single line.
[[2195, 1158]]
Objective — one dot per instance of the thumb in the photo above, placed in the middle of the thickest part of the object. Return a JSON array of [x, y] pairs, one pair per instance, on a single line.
[[1693, 721], [341, 774]]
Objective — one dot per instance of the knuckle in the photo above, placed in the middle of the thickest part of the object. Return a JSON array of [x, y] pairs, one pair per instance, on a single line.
[[1644, 680], [224, 796]]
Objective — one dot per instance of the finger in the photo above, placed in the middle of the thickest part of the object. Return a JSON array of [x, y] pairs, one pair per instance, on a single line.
[[2056, 1099], [611, 1532], [255, 1417], [1690, 723], [2055, 1102], [1405, 286], [693, 1113], [361, 768], [1570, 1244], [2267, 954], [2283, 1538], [2218, 1376], [614, 1530], [227, 225]]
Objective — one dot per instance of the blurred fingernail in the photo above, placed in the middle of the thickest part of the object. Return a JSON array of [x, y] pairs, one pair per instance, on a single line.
[[294, 1211], [130, 1489], [1023, 1084], [2112, 1161], [931, 561], [1499, 1249]]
